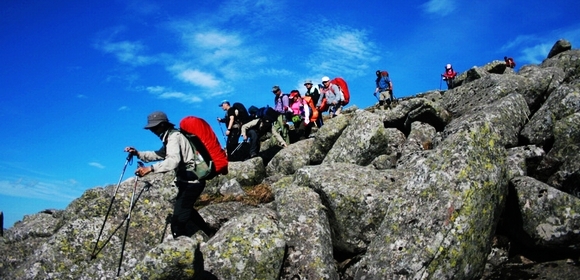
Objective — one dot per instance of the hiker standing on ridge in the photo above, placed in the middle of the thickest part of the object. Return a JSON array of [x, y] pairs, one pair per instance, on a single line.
[[332, 95], [313, 93], [281, 103], [509, 62], [232, 125], [385, 89], [175, 154], [301, 114], [449, 76]]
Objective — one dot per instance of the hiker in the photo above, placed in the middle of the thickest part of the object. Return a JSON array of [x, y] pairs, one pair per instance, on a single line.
[[233, 123], [260, 125], [313, 95], [330, 96], [449, 76], [384, 89], [281, 103], [301, 114], [177, 155], [509, 62]]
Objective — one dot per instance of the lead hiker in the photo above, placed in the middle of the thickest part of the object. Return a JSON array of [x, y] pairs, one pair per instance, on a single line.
[[449, 76], [176, 154], [509, 62], [384, 89], [331, 98]]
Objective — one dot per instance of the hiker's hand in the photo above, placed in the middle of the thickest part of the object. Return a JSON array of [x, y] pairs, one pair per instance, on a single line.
[[219, 119], [228, 132], [142, 171], [131, 151], [245, 137]]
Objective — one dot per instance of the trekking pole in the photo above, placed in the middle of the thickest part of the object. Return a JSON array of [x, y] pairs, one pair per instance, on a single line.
[[167, 222], [238, 147], [128, 221], [146, 187], [128, 161]]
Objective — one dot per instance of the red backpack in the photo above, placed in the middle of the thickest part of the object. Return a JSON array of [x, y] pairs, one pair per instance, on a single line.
[[341, 83], [205, 142]]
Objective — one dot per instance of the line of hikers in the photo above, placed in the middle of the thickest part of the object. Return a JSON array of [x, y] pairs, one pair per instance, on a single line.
[[449, 75], [291, 118]]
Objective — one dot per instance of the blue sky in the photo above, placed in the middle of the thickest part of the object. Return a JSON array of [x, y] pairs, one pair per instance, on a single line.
[[79, 77]]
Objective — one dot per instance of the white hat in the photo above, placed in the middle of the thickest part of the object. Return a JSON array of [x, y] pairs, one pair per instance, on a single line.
[[325, 79]]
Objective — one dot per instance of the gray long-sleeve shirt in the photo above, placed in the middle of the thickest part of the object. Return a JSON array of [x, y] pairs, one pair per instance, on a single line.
[[175, 153]]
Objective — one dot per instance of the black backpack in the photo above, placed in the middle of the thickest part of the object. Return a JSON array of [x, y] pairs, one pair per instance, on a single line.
[[243, 115], [267, 116]]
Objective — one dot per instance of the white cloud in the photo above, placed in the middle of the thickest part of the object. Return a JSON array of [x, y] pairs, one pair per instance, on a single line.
[[199, 78], [97, 165], [439, 7], [28, 187], [123, 108], [350, 46], [165, 93], [127, 52]]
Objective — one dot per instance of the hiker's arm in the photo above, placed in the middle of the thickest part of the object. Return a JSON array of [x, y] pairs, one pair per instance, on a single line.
[[278, 137], [149, 156], [230, 125], [246, 126]]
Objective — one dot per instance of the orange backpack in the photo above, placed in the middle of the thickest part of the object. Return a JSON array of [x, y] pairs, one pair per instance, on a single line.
[[314, 114]]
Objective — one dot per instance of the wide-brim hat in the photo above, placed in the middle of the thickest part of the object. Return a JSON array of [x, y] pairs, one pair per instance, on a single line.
[[156, 118], [308, 82]]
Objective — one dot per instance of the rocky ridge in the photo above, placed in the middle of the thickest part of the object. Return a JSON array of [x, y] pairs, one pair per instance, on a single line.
[[477, 182]]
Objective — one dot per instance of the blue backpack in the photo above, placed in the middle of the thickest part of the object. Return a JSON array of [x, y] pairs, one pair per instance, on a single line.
[[384, 82]]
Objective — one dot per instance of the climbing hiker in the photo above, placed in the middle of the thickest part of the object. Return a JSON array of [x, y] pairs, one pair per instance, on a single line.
[[509, 62], [331, 98], [236, 116], [176, 154], [261, 123], [384, 89], [313, 94], [281, 103], [449, 76]]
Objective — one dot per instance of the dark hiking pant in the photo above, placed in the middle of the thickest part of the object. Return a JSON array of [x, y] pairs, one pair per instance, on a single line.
[[186, 220], [254, 142], [232, 144]]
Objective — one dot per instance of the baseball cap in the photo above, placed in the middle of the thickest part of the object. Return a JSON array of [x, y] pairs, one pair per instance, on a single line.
[[222, 103]]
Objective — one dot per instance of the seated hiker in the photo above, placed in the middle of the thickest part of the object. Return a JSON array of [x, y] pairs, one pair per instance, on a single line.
[[301, 114], [449, 76], [261, 123], [331, 98], [385, 89], [509, 62]]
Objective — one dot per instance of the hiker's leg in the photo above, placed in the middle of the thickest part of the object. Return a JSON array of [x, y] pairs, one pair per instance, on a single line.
[[338, 109], [283, 129], [186, 220], [254, 142]]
